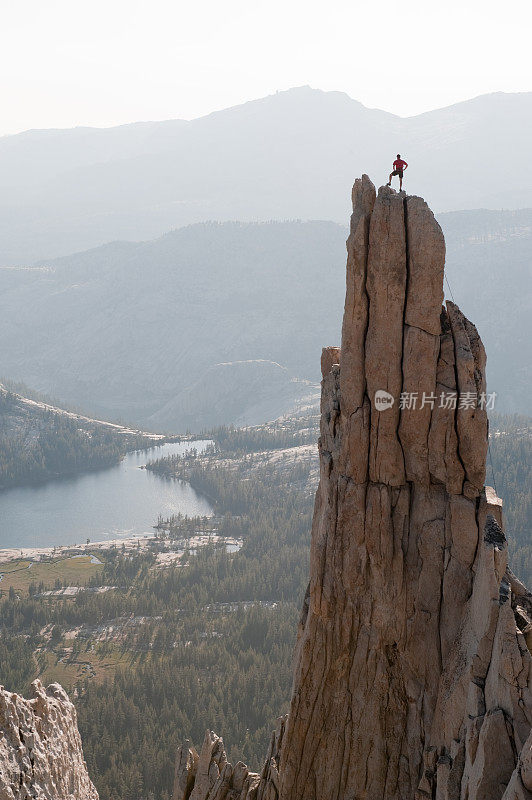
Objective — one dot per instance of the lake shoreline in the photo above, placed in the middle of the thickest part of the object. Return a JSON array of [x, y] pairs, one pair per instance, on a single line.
[[131, 543], [117, 504], [61, 551]]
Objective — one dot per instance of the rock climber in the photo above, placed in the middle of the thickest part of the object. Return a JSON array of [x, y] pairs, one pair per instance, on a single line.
[[399, 167]]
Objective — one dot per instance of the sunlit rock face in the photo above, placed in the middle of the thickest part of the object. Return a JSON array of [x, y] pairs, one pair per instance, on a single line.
[[412, 672], [412, 675], [40, 748]]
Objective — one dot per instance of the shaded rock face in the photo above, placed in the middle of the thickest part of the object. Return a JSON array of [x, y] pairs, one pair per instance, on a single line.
[[412, 674], [40, 748]]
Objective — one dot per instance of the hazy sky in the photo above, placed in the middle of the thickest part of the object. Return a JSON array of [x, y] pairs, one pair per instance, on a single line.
[[105, 62]]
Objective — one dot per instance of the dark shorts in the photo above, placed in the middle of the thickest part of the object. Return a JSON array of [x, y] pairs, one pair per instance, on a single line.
[[398, 172]]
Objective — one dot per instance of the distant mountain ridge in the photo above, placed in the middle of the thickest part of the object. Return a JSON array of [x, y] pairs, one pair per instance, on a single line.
[[139, 330], [286, 156], [128, 327]]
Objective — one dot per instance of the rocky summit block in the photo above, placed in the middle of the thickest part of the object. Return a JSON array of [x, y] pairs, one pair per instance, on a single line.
[[412, 676]]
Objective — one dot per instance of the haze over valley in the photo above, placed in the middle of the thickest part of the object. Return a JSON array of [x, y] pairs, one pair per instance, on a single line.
[[224, 323]]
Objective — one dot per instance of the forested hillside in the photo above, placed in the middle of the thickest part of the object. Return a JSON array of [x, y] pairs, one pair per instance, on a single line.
[[36, 443]]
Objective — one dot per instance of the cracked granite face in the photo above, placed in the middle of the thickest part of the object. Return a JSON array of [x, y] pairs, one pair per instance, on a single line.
[[412, 672]]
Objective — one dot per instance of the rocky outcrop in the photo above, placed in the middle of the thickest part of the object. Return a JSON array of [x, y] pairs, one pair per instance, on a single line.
[[412, 675], [209, 776], [40, 748]]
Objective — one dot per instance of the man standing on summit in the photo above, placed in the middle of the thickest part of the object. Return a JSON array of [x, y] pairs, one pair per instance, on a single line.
[[398, 168]]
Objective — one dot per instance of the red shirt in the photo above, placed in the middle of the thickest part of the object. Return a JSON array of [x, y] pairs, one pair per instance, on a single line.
[[399, 164]]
